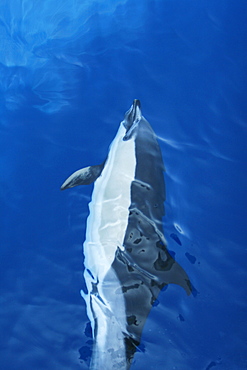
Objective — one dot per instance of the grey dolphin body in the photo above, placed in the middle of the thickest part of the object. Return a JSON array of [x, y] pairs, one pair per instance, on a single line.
[[126, 259]]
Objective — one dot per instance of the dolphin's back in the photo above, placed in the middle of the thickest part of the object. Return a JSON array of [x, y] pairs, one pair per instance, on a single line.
[[145, 266], [148, 199]]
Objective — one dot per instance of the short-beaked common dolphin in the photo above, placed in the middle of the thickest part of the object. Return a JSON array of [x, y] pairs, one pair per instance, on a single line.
[[126, 259]]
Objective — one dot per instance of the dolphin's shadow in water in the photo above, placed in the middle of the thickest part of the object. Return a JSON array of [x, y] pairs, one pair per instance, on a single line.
[[126, 259]]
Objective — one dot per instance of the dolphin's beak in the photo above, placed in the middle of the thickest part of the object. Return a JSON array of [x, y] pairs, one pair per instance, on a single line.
[[132, 118], [135, 111], [136, 103]]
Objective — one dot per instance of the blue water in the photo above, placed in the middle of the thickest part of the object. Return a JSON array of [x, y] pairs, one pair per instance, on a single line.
[[68, 72]]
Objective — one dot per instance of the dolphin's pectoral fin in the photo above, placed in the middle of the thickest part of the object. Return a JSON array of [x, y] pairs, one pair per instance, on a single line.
[[146, 252], [85, 176], [170, 272]]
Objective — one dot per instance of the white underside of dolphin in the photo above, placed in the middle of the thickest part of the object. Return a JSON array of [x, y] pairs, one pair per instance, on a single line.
[[106, 227]]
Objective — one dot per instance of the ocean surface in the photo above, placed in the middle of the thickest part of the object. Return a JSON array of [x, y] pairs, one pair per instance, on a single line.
[[69, 70]]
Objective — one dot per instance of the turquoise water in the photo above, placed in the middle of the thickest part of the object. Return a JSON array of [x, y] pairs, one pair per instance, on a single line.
[[68, 72]]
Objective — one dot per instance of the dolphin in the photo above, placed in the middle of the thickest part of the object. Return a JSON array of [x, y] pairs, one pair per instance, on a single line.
[[126, 258]]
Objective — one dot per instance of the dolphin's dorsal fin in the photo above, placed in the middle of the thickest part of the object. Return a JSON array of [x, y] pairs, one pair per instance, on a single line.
[[85, 176]]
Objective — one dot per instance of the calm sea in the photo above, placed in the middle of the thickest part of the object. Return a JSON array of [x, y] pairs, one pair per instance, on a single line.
[[68, 71]]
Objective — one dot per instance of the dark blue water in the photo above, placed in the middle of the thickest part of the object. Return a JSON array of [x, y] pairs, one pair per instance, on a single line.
[[68, 72]]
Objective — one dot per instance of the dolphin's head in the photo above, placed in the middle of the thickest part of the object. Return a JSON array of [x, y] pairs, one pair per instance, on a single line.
[[132, 118]]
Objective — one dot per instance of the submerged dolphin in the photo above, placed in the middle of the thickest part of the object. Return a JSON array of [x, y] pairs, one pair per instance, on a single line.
[[126, 259]]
